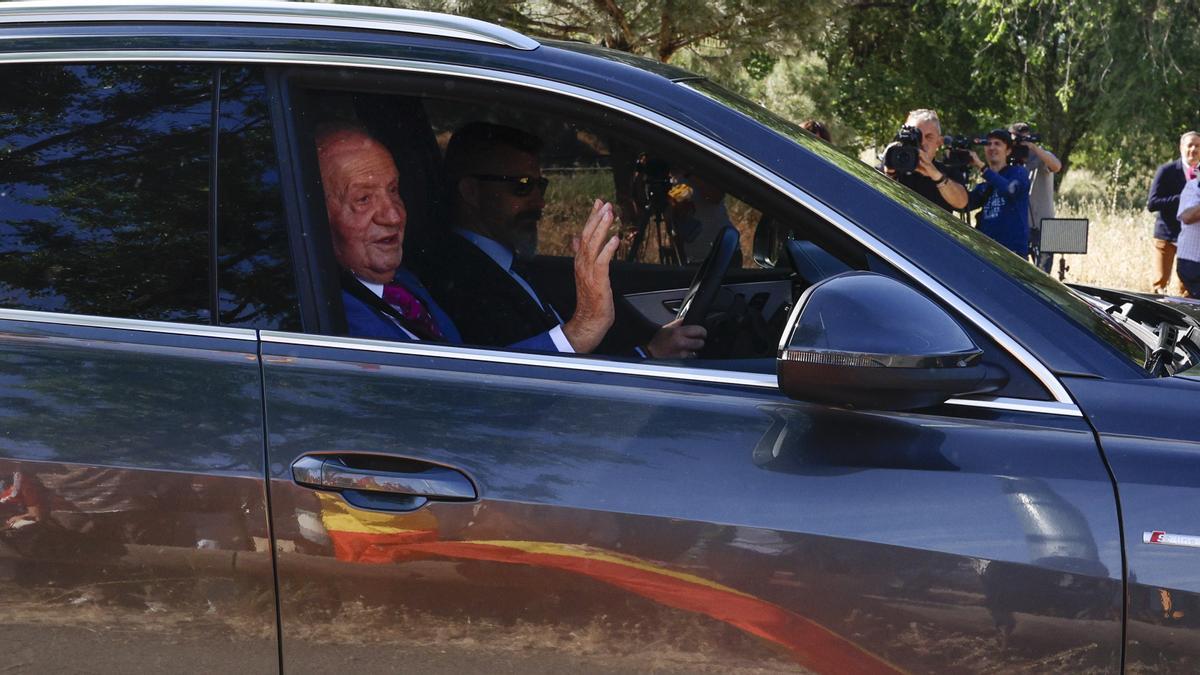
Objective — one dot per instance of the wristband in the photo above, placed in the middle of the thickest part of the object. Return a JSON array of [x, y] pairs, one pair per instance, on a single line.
[[945, 179]]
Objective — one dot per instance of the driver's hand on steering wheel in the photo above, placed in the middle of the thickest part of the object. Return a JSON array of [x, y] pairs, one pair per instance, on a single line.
[[677, 341]]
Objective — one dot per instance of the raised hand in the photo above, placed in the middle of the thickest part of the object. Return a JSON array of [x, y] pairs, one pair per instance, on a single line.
[[594, 249]]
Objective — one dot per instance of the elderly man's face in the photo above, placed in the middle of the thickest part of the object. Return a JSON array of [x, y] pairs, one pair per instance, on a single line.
[[1189, 150], [362, 198], [507, 211], [931, 136]]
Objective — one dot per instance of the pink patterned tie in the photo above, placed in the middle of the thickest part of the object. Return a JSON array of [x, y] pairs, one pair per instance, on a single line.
[[1191, 172], [420, 321]]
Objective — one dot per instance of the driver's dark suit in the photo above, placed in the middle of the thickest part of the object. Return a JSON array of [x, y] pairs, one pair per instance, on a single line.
[[487, 304], [491, 308]]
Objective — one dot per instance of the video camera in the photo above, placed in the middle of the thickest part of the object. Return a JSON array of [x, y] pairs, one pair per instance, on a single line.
[[1020, 153], [958, 155], [904, 154]]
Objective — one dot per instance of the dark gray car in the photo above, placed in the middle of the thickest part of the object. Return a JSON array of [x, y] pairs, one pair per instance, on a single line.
[[903, 448]]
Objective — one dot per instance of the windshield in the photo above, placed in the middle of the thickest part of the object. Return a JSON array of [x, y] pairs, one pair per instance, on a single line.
[[1042, 285]]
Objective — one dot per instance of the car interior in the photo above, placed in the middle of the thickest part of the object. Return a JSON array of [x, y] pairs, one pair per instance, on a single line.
[[743, 289]]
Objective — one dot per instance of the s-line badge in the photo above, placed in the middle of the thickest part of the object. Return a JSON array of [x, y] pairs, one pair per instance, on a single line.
[[1160, 537]]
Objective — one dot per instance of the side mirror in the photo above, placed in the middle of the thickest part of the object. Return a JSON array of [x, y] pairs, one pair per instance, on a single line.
[[863, 340]]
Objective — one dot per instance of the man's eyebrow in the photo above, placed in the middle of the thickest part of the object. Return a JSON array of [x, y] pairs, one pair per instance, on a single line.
[[371, 181]]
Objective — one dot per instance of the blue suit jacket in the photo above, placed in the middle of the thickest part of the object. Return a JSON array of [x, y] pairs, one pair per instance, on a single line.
[[365, 321], [1168, 182]]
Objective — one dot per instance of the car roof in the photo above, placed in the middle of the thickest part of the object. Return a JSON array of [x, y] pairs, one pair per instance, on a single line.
[[674, 73], [263, 11]]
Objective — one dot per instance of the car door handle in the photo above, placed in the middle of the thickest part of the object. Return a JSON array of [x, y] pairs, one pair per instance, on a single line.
[[330, 472]]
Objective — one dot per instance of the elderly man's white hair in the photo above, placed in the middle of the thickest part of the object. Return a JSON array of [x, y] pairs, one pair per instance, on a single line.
[[919, 115], [1186, 135]]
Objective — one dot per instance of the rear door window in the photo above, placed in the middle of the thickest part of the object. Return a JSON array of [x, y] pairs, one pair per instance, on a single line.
[[106, 195]]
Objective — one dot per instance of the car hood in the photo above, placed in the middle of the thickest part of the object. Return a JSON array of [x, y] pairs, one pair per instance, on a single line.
[[1188, 306]]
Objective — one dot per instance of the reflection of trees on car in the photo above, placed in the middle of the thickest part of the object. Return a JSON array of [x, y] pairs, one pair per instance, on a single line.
[[106, 176], [108, 181]]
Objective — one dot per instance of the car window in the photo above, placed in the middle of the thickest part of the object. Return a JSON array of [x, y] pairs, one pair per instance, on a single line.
[[105, 190], [1042, 285], [671, 206], [583, 154], [104, 183]]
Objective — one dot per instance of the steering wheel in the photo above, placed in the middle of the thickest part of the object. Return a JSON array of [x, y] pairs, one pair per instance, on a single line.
[[706, 283]]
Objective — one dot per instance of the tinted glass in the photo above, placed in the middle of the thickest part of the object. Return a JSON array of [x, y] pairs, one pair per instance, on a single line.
[[1043, 285], [258, 288], [104, 189]]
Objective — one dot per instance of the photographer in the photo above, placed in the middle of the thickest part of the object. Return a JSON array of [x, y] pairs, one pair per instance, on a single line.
[[929, 178], [1042, 164], [1003, 196]]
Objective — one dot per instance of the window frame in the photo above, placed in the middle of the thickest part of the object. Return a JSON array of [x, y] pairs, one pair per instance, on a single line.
[[1059, 402], [630, 114]]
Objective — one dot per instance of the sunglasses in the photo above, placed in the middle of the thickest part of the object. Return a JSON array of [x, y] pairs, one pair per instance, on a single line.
[[522, 186]]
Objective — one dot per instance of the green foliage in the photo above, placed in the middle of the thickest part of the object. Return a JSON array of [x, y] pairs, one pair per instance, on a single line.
[[1105, 81], [759, 64]]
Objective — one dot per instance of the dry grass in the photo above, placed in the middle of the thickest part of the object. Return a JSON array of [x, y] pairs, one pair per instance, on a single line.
[[1120, 235], [1120, 248], [569, 200]]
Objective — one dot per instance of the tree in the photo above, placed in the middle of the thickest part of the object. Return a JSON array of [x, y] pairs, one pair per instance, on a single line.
[[658, 29], [980, 63]]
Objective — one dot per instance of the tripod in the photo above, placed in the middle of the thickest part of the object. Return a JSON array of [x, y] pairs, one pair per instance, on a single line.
[[651, 182]]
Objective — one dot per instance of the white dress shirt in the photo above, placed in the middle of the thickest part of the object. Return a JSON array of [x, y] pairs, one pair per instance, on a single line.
[[1187, 246]]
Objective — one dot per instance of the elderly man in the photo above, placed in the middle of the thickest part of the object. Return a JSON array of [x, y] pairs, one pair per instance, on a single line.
[[498, 192], [930, 179], [1168, 183], [382, 300]]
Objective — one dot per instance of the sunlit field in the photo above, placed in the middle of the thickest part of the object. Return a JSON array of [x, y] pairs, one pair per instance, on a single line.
[[1120, 237]]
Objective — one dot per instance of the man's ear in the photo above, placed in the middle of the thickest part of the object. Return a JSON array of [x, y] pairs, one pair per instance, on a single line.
[[468, 192]]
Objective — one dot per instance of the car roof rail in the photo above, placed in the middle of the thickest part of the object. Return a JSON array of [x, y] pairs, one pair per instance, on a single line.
[[263, 11]]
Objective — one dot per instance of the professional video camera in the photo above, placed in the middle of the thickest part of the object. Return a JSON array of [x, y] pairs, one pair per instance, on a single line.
[[904, 154], [958, 155], [1020, 153]]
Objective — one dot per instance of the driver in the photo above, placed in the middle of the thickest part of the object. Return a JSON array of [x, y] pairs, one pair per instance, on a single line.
[[497, 196]]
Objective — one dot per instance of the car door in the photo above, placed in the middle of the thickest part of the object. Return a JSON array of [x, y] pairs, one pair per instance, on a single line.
[[463, 508], [1146, 431], [133, 520]]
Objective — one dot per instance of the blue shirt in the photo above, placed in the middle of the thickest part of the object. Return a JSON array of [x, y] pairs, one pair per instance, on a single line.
[[1004, 198]]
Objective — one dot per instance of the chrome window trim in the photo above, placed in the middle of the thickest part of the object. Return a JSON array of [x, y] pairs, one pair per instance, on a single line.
[[1020, 405], [576, 363], [1018, 352], [265, 11], [88, 321]]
